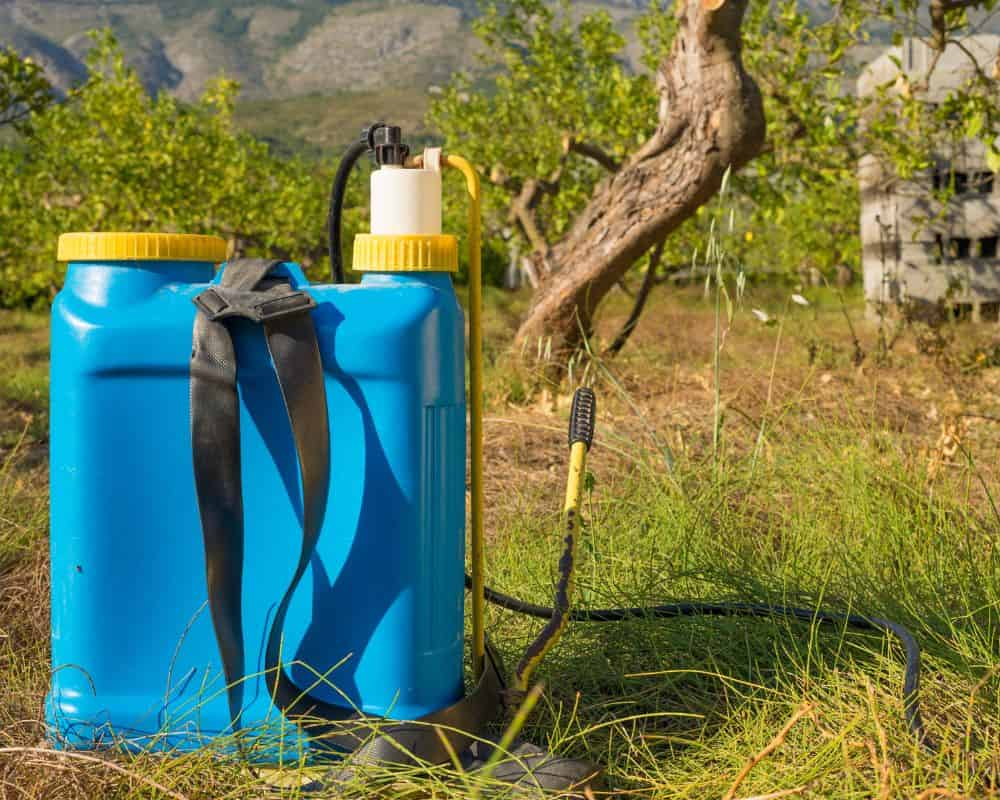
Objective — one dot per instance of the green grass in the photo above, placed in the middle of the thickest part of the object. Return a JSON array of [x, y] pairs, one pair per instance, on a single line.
[[853, 499], [24, 378]]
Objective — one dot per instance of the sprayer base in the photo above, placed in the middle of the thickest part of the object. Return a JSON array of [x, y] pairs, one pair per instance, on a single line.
[[527, 765]]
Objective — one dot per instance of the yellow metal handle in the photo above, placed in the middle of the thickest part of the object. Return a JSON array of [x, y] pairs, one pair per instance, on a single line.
[[475, 309], [475, 306]]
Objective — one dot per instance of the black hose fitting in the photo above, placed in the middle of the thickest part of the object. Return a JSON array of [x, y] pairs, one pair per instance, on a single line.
[[387, 146], [582, 417]]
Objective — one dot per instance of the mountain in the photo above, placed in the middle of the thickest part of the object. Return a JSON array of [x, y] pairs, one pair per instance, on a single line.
[[311, 71], [275, 49]]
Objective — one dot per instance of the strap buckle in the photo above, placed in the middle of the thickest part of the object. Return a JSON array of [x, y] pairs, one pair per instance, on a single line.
[[218, 305], [284, 305]]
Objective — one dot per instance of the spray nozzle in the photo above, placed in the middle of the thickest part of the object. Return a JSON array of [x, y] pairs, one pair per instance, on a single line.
[[385, 142]]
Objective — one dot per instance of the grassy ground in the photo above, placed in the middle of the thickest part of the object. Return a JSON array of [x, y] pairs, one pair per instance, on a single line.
[[787, 474]]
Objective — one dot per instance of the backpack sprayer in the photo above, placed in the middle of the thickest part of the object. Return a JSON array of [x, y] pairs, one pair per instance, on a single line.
[[247, 404]]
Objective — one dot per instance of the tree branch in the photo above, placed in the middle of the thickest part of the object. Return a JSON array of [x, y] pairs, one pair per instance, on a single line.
[[648, 281], [523, 210], [524, 207], [980, 74], [939, 10], [592, 151]]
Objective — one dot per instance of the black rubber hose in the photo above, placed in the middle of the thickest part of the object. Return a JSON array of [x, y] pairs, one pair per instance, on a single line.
[[333, 221], [911, 678]]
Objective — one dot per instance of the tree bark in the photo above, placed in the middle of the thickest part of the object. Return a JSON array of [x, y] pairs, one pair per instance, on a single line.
[[711, 119]]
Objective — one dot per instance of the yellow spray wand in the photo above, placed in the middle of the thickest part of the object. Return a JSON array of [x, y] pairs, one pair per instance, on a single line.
[[581, 434]]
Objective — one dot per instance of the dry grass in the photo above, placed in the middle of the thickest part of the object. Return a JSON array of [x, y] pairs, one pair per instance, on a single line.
[[872, 487]]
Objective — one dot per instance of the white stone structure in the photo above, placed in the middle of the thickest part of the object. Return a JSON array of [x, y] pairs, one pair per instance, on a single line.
[[914, 250]]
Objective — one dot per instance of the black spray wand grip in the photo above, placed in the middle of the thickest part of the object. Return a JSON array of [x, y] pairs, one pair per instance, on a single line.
[[582, 416]]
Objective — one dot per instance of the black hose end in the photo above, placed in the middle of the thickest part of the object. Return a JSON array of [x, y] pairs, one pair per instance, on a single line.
[[368, 135], [372, 138], [582, 417]]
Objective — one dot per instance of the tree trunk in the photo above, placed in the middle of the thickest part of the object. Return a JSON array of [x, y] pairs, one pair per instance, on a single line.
[[711, 118]]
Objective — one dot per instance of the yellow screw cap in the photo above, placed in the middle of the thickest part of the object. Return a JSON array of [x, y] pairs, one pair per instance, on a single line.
[[140, 247], [375, 253]]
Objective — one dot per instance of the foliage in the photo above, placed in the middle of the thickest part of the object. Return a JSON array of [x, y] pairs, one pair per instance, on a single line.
[[24, 89], [110, 157], [561, 74], [799, 196], [970, 111], [803, 185]]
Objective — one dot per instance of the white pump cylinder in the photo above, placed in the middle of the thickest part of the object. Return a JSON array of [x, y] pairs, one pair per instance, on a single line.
[[405, 202]]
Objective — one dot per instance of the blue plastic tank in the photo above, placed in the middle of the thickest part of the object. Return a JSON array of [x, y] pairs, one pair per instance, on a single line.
[[377, 623]]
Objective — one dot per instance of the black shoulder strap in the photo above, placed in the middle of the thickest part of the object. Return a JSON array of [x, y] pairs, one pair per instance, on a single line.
[[245, 291]]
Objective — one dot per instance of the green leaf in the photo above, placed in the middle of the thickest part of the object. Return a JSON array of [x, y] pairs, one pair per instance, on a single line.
[[993, 158], [975, 125]]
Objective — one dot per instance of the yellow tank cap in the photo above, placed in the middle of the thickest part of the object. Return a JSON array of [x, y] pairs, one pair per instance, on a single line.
[[140, 247], [375, 253]]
